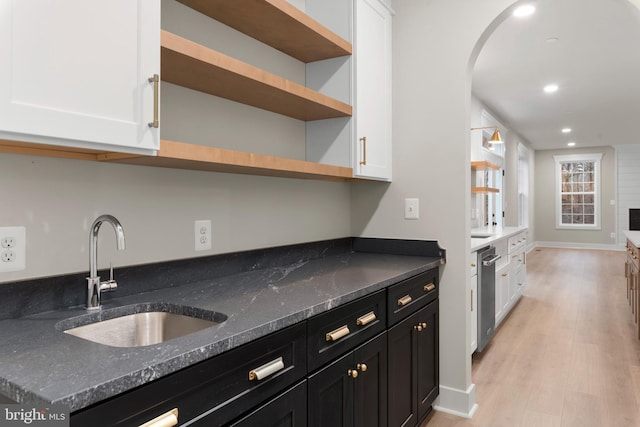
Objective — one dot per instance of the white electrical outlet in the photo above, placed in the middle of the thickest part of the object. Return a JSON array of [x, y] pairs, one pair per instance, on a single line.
[[612, 235], [203, 234], [411, 210], [12, 249]]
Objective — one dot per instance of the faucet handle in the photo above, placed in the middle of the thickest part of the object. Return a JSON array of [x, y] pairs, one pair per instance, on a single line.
[[111, 284]]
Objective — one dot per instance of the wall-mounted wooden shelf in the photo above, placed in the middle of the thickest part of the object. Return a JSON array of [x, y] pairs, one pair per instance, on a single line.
[[278, 24], [197, 67], [197, 157], [483, 165], [179, 155], [482, 190]]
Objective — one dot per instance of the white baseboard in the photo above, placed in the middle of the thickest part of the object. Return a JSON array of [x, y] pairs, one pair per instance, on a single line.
[[457, 402], [573, 245]]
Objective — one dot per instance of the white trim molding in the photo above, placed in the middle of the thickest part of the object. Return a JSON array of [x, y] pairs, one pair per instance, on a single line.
[[461, 403], [574, 245]]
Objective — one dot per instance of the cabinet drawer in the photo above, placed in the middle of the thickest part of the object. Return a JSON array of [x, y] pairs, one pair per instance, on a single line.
[[473, 267], [633, 253], [410, 295], [516, 241], [209, 390], [289, 409], [337, 331]]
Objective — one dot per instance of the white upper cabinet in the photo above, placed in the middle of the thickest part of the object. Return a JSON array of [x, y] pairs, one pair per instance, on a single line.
[[372, 51], [75, 73]]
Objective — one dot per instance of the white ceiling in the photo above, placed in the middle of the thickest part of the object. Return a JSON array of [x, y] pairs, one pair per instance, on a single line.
[[595, 62]]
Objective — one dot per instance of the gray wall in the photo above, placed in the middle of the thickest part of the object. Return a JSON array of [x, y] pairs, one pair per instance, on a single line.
[[544, 217], [435, 44]]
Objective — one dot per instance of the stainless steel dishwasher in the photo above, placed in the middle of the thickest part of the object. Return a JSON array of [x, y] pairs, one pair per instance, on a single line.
[[486, 295]]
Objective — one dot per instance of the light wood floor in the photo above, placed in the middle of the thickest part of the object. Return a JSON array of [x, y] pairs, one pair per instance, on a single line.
[[566, 355]]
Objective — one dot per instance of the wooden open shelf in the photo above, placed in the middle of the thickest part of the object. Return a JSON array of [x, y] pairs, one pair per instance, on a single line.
[[180, 155], [483, 165], [484, 190], [197, 157], [197, 67], [278, 24]]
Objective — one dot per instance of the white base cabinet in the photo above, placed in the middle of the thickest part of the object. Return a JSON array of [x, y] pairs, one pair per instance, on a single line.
[[76, 75], [511, 278]]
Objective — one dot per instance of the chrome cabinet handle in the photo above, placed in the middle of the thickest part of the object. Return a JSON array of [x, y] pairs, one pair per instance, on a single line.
[[168, 419], [366, 319], [364, 150], [156, 82], [262, 372], [336, 334]]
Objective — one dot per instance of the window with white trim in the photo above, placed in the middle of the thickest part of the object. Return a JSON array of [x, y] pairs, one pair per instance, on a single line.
[[578, 191]]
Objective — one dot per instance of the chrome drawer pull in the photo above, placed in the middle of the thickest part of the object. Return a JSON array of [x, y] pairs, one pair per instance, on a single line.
[[169, 419], [267, 369], [336, 334], [404, 300], [366, 319], [429, 287]]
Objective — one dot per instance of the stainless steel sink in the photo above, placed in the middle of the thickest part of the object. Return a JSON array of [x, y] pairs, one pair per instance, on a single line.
[[145, 328]]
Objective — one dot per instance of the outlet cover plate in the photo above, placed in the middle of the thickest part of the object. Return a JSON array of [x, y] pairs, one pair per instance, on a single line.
[[202, 233], [12, 249]]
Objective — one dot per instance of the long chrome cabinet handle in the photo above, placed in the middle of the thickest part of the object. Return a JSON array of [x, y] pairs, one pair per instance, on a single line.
[[168, 419], [156, 83], [262, 372], [366, 319], [336, 334]]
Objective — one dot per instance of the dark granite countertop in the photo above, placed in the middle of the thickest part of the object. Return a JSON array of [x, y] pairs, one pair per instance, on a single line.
[[41, 364]]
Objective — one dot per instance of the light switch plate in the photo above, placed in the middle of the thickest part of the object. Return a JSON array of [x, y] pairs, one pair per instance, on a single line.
[[411, 209]]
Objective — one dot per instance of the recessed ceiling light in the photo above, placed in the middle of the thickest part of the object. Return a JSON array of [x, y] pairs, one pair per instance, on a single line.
[[524, 10], [566, 130], [571, 144], [551, 88], [551, 40]]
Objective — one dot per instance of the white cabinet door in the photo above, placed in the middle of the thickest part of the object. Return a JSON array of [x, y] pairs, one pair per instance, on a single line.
[[372, 52], [502, 292], [473, 306], [75, 72]]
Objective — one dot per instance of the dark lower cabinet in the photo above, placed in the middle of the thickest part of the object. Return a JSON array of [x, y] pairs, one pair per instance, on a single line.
[[413, 367], [211, 393], [351, 391], [287, 410], [347, 367], [428, 359]]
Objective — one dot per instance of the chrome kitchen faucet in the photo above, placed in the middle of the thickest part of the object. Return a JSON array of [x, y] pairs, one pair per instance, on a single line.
[[94, 286]]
